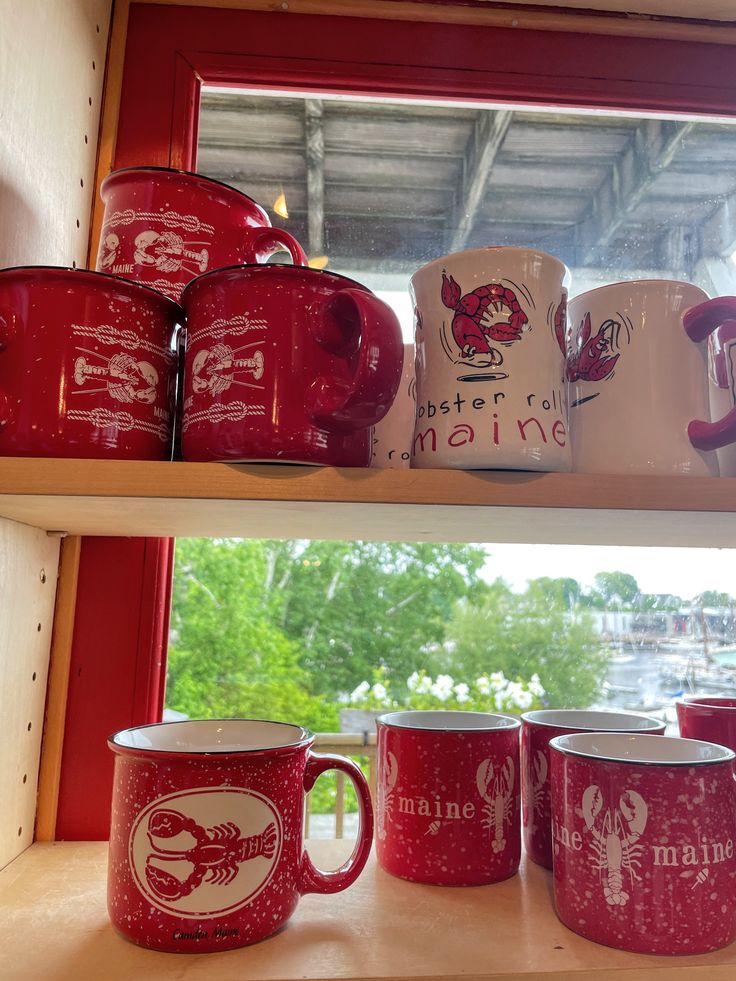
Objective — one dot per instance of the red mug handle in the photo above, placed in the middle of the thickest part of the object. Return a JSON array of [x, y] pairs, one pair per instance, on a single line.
[[699, 322], [261, 244], [312, 879], [367, 397]]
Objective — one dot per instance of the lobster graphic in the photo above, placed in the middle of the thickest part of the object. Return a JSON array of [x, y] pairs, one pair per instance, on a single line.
[[389, 776], [488, 313], [216, 855], [214, 370], [536, 778], [497, 791], [126, 379], [111, 246], [168, 252], [559, 324], [614, 843], [593, 359]]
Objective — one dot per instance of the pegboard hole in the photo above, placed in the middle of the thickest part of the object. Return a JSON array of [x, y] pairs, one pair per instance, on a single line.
[[42, 573], [20, 831], [38, 627], [90, 100], [77, 222], [25, 778], [30, 726], [98, 28], [81, 181], [94, 66], [86, 138], [33, 677], [74, 265]]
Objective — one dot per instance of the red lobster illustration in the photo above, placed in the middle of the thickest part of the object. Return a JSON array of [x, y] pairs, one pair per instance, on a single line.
[[490, 312], [593, 359], [614, 848], [170, 252], [497, 791], [216, 856]]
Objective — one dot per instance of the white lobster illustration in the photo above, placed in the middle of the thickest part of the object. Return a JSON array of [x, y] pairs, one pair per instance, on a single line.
[[389, 776], [536, 778], [125, 379], [614, 843], [496, 789], [168, 252], [111, 246], [214, 369]]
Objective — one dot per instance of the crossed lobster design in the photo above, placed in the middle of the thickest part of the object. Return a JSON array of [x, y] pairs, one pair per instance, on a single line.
[[496, 789], [614, 843], [214, 369], [216, 855], [168, 252], [124, 378]]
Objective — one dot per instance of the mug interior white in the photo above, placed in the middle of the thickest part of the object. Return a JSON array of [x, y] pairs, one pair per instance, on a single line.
[[448, 721], [211, 736], [618, 747], [595, 721]]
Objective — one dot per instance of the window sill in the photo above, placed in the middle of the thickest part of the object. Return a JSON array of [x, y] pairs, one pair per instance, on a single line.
[[54, 925], [110, 497]]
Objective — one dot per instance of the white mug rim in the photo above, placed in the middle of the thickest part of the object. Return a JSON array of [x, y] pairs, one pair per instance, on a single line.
[[657, 745], [634, 282], [485, 249], [533, 718], [125, 740], [707, 701], [448, 721]]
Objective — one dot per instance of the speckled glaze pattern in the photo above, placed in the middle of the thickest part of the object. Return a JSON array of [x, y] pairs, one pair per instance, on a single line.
[[286, 364], [535, 787], [163, 227], [208, 854], [87, 366], [644, 854], [448, 804]]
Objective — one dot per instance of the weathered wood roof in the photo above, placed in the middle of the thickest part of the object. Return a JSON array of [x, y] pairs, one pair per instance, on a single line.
[[397, 184]]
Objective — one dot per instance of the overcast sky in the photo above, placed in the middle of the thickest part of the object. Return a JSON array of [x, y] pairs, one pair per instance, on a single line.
[[684, 572]]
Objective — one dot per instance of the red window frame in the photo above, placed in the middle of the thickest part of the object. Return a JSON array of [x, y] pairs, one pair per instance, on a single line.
[[117, 675]]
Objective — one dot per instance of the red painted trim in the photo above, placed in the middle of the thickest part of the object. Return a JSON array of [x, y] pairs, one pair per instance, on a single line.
[[122, 616]]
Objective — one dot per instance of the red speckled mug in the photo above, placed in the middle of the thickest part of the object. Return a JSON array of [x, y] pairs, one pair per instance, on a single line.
[[447, 805], [163, 227], [708, 717], [87, 366], [646, 828], [536, 731], [206, 846], [286, 364]]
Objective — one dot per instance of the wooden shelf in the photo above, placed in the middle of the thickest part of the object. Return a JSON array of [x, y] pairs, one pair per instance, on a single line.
[[54, 925], [110, 497]]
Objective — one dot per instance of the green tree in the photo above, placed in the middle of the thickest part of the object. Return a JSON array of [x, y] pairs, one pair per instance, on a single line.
[[713, 599], [618, 590], [352, 607], [227, 655], [524, 634]]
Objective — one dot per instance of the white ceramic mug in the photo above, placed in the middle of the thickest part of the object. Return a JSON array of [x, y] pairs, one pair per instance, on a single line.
[[392, 436], [490, 326], [636, 380]]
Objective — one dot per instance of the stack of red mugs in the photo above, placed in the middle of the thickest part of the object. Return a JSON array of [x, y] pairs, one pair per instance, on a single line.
[[271, 362]]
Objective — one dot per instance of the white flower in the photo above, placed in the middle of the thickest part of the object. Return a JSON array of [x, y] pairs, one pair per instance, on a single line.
[[483, 685], [445, 681], [535, 686], [462, 690], [359, 693], [425, 685], [379, 691], [498, 680], [524, 699], [412, 681], [442, 693]]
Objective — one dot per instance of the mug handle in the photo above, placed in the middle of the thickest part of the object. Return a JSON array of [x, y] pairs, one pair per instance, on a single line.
[[312, 879], [367, 397], [699, 322], [261, 243]]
